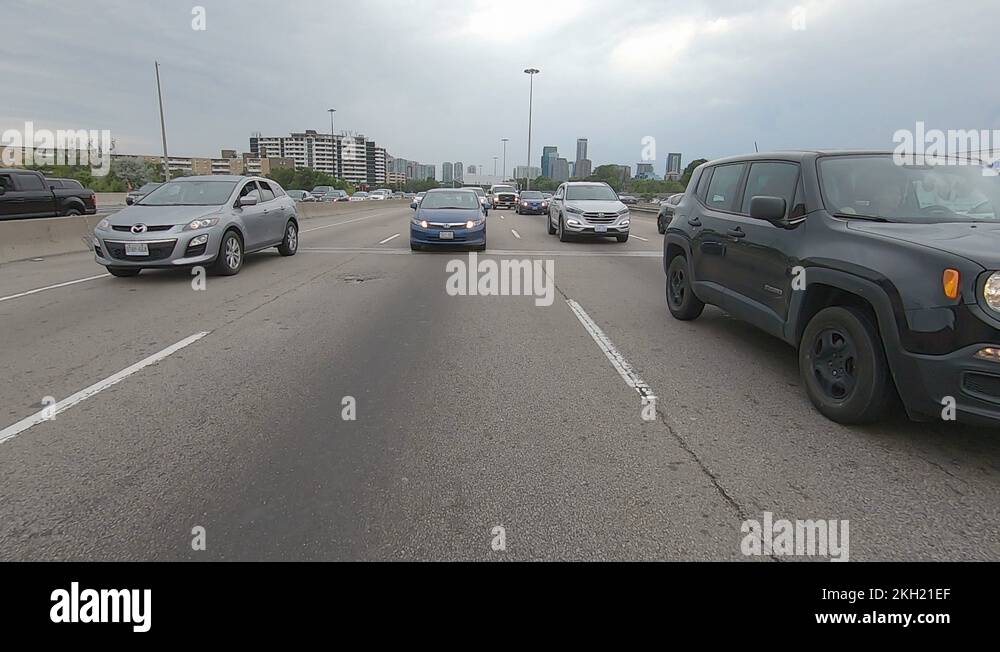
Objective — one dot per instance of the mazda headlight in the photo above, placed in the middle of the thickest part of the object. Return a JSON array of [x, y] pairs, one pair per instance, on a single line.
[[104, 225], [991, 291], [201, 223]]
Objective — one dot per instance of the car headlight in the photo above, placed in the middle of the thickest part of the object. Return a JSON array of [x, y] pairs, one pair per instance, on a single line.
[[473, 223], [201, 223], [623, 211], [570, 209], [198, 240], [419, 222], [991, 291], [104, 225]]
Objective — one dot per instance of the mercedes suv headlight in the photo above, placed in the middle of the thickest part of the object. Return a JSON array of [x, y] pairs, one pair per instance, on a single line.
[[991, 291]]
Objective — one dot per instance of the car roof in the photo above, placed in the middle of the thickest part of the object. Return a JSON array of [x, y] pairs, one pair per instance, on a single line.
[[450, 190], [218, 177], [798, 155]]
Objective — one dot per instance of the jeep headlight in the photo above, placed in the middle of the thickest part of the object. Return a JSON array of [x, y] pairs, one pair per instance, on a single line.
[[991, 291]]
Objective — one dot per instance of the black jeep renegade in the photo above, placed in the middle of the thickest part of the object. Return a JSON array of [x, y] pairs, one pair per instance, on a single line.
[[881, 269]]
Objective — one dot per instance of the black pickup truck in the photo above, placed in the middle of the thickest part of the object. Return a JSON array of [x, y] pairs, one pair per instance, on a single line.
[[25, 193]]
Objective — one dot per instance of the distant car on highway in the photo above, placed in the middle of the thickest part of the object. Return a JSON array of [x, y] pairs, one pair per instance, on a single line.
[[547, 195], [301, 196], [587, 209], [416, 199], [336, 195], [484, 201], [359, 196], [380, 195], [503, 196], [667, 207], [138, 193], [449, 216], [27, 194], [203, 220], [532, 202], [883, 275], [320, 191], [628, 200]]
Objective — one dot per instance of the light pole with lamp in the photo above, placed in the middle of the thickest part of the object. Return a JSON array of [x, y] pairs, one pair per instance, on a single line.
[[531, 72], [504, 141]]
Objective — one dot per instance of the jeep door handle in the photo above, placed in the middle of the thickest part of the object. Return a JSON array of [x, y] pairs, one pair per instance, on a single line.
[[736, 233]]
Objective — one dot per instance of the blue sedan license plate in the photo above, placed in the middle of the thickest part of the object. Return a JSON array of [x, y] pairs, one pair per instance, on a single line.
[[446, 235]]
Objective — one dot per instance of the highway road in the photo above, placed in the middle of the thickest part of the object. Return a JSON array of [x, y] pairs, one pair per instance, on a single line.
[[471, 413]]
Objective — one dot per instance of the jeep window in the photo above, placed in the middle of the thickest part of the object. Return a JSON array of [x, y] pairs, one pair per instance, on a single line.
[[702, 188], [722, 188], [934, 191], [771, 179]]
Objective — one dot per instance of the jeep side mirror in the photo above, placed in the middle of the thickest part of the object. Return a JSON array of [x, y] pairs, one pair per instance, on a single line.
[[769, 209]]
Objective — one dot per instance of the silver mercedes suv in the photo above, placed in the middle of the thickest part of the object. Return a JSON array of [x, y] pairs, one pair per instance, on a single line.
[[587, 209], [207, 220]]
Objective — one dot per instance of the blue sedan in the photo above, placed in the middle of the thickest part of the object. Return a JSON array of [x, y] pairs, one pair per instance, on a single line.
[[449, 217]]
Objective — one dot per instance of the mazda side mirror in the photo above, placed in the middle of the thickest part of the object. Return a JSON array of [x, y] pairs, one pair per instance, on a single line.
[[248, 200], [769, 209]]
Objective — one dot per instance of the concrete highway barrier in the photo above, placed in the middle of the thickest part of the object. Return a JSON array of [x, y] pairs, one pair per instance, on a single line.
[[51, 236]]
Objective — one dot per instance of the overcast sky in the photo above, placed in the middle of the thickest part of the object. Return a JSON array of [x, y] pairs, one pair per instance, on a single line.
[[437, 81]]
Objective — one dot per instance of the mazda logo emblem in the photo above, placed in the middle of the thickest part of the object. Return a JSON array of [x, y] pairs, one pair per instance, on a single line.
[[139, 228]]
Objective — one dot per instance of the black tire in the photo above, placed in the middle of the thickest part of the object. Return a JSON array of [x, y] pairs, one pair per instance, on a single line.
[[290, 243], [561, 229], [481, 247], [223, 265], [414, 247], [660, 226], [548, 225], [124, 272], [622, 238], [72, 211], [681, 300], [843, 366]]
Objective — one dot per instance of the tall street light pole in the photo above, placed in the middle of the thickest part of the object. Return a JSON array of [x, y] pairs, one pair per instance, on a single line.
[[333, 144], [163, 128], [495, 166], [504, 141], [531, 72]]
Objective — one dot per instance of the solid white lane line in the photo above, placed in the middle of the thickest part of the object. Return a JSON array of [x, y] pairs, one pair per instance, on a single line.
[[327, 226], [391, 237], [639, 237], [617, 360], [52, 287], [50, 411], [516, 234]]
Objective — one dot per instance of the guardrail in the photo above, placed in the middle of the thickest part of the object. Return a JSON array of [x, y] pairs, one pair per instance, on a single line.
[[52, 236]]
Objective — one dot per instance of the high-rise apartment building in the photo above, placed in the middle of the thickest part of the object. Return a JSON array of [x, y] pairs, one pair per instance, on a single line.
[[549, 154], [581, 149]]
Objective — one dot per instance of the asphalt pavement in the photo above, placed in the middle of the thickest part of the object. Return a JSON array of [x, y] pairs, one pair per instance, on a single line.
[[224, 409]]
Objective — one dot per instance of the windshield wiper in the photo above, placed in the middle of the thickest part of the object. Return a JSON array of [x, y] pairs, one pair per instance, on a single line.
[[857, 216]]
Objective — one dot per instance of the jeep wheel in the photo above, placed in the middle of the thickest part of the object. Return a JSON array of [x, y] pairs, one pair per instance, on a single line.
[[681, 301], [843, 366]]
